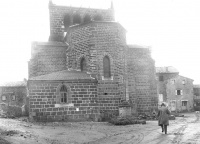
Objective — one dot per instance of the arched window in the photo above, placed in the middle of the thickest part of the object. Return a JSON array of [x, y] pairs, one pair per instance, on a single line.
[[83, 64], [63, 94], [106, 67], [76, 18], [87, 18]]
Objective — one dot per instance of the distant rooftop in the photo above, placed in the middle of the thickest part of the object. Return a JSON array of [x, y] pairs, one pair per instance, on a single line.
[[13, 84], [168, 69], [186, 77]]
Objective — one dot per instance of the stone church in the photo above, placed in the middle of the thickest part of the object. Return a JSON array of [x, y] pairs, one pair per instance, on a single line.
[[87, 69]]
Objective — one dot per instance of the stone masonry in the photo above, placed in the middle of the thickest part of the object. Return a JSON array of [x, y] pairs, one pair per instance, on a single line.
[[45, 105], [94, 41], [174, 89], [47, 57], [58, 13], [113, 71], [141, 79]]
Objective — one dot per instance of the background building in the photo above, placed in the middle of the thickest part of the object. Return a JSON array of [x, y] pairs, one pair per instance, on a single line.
[[13, 98], [13, 93], [174, 89]]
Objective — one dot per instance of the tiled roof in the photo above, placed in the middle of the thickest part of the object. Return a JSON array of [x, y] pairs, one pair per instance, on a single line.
[[64, 75], [13, 84], [93, 22], [168, 69], [186, 77]]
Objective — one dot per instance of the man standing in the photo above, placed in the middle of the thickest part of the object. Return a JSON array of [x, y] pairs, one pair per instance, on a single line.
[[163, 117]]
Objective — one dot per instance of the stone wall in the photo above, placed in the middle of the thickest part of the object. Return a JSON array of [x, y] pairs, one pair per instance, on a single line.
[[162, 84], [176, 83], [57, 14], [141, 79], [45, 100], [94, 41], [47, 57]]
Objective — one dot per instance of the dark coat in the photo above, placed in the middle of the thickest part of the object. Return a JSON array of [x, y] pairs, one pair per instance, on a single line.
[[163, 116]]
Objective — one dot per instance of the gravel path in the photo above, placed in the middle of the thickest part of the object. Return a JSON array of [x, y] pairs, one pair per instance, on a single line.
[[183, 130]]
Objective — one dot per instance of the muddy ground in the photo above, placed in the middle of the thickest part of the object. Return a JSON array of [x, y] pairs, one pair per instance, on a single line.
[[183, 130]]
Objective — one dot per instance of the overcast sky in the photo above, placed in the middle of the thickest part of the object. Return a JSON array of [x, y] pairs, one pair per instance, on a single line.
[[170, 27]]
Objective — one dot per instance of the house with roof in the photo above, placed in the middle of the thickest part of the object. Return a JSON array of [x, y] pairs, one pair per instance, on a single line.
[[13, 93], [174, 89]]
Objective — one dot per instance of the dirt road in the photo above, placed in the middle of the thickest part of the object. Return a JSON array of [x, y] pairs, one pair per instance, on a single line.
[[183, 130]]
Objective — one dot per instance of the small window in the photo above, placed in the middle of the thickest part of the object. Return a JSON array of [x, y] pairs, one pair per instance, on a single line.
[[83, 65], [179, 92], [63, 97], [3, 97], [184, 103], [173, 81], [63, 94], [183, 82], [161, 78], [106, 67]]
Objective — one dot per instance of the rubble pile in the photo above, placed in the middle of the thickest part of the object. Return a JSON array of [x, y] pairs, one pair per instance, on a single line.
[[7, 111], [147, 117], [153, 117], [9, 133], [126, 120]]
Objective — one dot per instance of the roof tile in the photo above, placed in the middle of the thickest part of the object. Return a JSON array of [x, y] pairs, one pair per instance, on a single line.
[[64, 75]]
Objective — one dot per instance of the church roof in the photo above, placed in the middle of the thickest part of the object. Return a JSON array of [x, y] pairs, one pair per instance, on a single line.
[[13, 84], [137, 46], [64, 75], [93, 22]]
